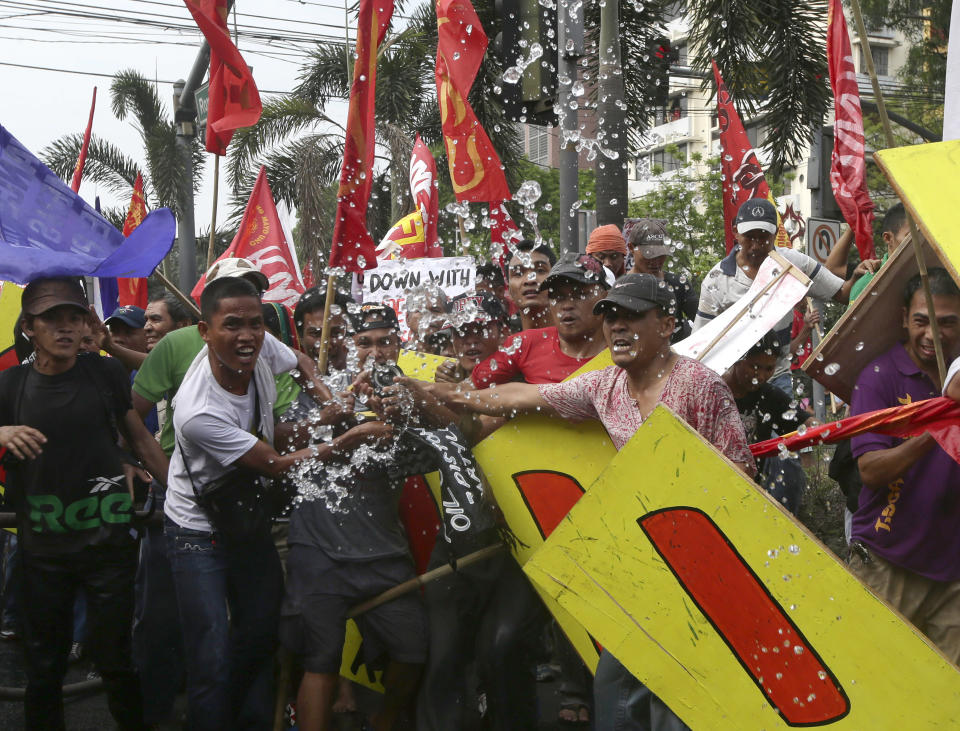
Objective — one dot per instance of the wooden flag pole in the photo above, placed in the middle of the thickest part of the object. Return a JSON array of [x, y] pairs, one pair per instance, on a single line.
[[213, 219], [189, 303], [325, 332], [914, 234]]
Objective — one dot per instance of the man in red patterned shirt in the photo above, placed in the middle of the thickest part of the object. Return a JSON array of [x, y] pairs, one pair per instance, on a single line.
[[638, 322]]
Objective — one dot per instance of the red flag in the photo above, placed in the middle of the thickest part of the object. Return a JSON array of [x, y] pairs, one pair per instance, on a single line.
[[405, 239], [234, 99], [503, 232], [743, 177], [475, 169], [848, 169], [353, 247], [82, 158], [940, 416], [308, 276], [260, 239], [133, 291], [423, 188]]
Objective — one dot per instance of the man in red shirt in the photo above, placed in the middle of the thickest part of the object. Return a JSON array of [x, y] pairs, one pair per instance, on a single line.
[[550, 354]]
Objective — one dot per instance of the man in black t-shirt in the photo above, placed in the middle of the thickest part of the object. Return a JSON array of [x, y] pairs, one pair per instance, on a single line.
[[766, 410], [71, 486]]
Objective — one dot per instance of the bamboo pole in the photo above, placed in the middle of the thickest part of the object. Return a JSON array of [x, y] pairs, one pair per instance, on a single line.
[[415, 583], [325, 331], [213, 219], [189, 303], [914, 234]]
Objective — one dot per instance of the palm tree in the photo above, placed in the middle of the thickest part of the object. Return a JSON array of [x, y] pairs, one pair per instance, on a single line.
[[302, 147], [135, 97]]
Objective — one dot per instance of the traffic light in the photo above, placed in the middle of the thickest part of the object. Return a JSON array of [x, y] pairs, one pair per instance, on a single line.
[[661, 55], [822, 202], [523, 25]]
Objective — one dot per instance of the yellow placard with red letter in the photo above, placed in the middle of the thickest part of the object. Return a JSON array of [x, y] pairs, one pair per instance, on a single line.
[[725, 607]]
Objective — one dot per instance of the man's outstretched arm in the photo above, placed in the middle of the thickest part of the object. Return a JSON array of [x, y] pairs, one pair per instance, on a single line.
[[508, 399]]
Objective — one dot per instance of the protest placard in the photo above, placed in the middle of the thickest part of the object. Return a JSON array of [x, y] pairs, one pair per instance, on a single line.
[[776, 289], [392, 279]]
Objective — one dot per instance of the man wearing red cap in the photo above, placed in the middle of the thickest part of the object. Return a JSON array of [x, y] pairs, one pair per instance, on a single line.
[[607, 245]]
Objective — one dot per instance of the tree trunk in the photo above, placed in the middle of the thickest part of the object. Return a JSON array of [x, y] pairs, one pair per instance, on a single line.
[[611, 180]]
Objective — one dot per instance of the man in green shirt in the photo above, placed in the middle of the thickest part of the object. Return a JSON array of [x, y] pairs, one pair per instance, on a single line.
[[894, 230]]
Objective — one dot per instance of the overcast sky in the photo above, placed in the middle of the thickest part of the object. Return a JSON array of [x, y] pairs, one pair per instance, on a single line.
[[74, 45]]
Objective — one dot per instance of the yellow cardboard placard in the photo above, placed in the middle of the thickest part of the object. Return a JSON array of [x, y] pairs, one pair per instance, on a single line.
[[9, 312], [629, 589], [555, 453], [422, 366], [924, 177]]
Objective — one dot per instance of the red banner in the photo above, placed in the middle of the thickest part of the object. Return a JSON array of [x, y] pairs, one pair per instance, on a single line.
[[940, 416], [475, 169], [261, 239], [848, 169], [426, 195], [133, 291], [82, 157], [353, 247], [743, 177], [234, 100]]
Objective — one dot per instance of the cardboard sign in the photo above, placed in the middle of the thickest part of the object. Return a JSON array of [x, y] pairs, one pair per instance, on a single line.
[[725, 607], [9, 312], [726, 338], [392, 279], [870, 326], [920, 174]]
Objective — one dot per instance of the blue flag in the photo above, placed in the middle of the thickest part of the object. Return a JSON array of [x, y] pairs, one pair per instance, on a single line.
[[47, 230]]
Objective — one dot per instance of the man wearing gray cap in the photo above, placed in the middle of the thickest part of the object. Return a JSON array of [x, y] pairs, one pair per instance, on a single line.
[[648, 243], [732, 277], [638, 322]]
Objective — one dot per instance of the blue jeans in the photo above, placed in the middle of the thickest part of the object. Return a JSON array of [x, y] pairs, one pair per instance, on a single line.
[[157, 640], [229, 602], [623, 703]]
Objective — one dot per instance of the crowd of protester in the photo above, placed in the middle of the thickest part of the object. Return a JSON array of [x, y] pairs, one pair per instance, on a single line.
[[182, 406]]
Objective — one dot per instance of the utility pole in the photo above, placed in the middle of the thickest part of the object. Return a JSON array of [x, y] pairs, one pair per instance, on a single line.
[[184, 116], [570, 49]]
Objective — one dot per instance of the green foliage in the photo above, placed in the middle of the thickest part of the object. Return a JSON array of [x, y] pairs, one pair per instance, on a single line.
[[691, 202], [133, 96], [791, 81]]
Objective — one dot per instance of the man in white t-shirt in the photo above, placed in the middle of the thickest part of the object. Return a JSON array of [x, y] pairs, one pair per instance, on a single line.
[[228, 595], [732, 276]]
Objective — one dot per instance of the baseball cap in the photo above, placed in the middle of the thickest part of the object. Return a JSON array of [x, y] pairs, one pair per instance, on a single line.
[[756, 213], [470, 308], [579, 268], [42, 295], [638, 293], [129, 315], [237, 267], [373, 316], [649, 236]]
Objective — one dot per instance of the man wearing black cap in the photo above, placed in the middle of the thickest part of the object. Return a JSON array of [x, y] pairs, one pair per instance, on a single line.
[[648, 243], [346, 546], [60, 420], [732, 277], [638, 322], [550, 354]]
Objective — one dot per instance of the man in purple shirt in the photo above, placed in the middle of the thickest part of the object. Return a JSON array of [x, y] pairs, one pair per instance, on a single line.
[[906, 529]]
